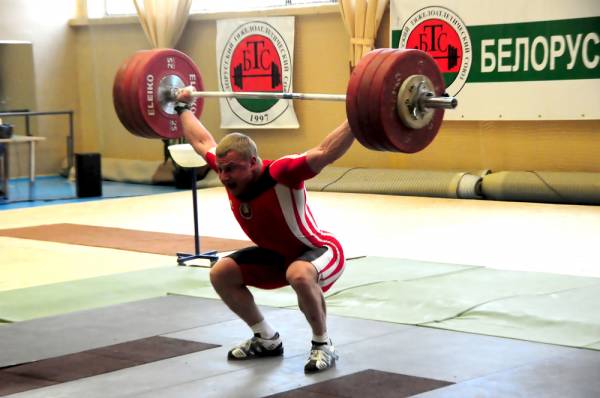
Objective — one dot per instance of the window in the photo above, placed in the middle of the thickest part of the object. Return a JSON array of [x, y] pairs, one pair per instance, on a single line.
[[101, 8]]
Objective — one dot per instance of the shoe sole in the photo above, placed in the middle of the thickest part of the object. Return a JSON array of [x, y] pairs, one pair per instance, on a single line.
[[265, 354], [313, 371]]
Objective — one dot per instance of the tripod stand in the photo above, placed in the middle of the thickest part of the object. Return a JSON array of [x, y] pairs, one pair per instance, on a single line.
[[185, 156]]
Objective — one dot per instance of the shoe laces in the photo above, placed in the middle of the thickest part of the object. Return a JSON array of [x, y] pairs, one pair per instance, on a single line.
[[320, 354], [259, 343], [245, 346]]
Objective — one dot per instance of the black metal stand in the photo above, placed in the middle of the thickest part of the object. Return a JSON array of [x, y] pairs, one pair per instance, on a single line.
[[210, 255]]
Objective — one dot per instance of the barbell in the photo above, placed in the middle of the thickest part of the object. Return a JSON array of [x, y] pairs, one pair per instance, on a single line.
[[395, 99]]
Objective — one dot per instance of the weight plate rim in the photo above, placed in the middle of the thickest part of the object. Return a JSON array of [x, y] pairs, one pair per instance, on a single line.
[[117, 93], [352, 93], [375, 90], [124, 96], [365, 94], [134, 82]]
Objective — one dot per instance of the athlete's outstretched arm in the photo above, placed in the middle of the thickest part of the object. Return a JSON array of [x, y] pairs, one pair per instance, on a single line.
[[196, 134], [193, 130], [333, 146]]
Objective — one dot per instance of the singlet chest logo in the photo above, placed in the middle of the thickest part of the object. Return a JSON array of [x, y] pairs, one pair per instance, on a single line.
[[245, 211]]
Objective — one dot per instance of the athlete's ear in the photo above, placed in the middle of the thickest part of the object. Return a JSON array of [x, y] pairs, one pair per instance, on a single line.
[[253, 161]]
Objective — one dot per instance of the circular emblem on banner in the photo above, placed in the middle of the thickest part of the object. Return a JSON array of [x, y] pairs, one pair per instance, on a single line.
[[442, 34], [256, 58]]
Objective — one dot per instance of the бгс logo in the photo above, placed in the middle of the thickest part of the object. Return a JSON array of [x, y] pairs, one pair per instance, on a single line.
[[443, 35], [256, 58]]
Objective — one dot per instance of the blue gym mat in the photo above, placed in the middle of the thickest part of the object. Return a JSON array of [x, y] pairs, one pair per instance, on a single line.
[[51, 190]]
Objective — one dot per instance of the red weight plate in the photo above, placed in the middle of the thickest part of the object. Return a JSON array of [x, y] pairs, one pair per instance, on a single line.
[[352, 96], [135, 78], [120, 88], [159, 64], [365, 101], [390, 77], [372, 92], [118, 95]]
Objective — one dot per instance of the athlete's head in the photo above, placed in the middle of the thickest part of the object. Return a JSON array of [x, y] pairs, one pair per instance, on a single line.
[[238, 163]]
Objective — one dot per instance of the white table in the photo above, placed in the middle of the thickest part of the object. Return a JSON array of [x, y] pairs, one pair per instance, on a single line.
[[19, 139]]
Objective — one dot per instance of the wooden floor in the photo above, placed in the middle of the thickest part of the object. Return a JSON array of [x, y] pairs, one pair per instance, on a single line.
[[518, 236]]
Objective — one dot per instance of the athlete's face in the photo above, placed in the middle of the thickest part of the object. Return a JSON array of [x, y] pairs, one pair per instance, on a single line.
[[236, 173]]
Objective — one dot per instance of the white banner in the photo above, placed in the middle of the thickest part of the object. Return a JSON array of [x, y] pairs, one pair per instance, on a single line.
[[509, 60], [256, 55]]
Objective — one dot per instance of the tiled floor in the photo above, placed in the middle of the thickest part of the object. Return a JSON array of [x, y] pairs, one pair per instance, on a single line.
[[503, 235], [477, 365], [88, 363]]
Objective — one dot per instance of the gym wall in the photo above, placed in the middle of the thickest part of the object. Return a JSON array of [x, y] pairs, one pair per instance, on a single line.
[[75, 68], [321, 49], [45, 25]]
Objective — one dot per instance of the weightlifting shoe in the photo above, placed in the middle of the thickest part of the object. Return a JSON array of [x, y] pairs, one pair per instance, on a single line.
[[257, 347], [322, 357]]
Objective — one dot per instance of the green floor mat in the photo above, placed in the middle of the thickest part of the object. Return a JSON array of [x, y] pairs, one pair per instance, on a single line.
[[59, 298], [551, 308], [594, 346], [440, 297], [558, 309], [364, 271], [570, 317]]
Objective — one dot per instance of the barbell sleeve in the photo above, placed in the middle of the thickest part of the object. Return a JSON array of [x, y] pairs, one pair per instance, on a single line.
[[443, 102]]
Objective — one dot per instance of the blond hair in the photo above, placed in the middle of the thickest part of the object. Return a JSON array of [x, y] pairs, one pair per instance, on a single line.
[[237, 142]]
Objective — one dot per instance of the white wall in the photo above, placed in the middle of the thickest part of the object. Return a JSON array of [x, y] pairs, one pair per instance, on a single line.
[[45, 24]]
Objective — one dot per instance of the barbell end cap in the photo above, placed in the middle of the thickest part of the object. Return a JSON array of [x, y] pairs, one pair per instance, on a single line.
[[453, 102]]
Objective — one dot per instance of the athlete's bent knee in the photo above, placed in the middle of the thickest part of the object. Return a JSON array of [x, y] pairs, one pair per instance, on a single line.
[[225, 272], [301, 274]]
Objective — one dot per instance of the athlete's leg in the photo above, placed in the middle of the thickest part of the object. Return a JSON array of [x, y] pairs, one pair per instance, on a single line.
[[302, 276], [226, 278], [230, 277], [251, 266]]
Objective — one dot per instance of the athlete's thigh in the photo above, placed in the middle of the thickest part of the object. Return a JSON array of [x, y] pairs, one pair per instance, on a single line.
[[329, 263]]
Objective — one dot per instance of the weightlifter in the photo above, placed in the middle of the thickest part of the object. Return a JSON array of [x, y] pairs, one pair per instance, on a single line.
[[268, 199]]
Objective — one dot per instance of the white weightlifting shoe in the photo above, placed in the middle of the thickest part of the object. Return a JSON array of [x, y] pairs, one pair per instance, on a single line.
[[322, 357], [257, 347]]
